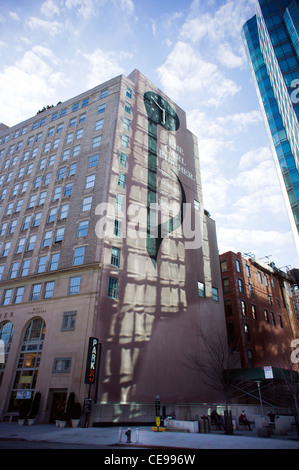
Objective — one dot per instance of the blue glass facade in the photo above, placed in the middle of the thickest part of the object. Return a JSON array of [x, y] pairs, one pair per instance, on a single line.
[[272, 45]]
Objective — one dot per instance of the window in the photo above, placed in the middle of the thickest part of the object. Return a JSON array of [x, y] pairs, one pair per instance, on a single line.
[[73, 122], [112, 288], [243, 307], [90, 180], [115, 255], [31, 242], [25, 267], [6, 248], [1, 271], [119, 202], [41, 267], [74, 286], [47, 238], [123, 159], [121, 180], [129, 92], [76, 106], [79, 134], [99, 125], [103, 93], [19, 295], [201, 289], [62, 365], [7, 297], [56, 193], [83, 228], [96, 141], [215, 294], [65, 154], [82, 118], [59, 235], [253, 312], [248, 270], [72, 169], [69, 137], [266, 280], [68, 189], [86, 203], [266, 315], [61, 173], [246, 330], [126, 123], [42, 198], [260, 277], [54, 261], [273, 319], [37, 219], [225, 283], [93, 161], [20, 245], [127, 107], [19, 205], [238, 266], [76, 151], [26, 222], [47, 177], [49, 289], [280, 320], [240, 284], [68, 321], [78, 255], [56, 143], [102, 108], [223, 266], [117, 228], [52, 215], [3, 228], [64, 211], [125, 141], [14, 270]]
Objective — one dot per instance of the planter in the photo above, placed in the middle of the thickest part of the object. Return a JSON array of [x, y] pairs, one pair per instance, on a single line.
[[62, 424], [31, 421], [75, 423], [21, 422]]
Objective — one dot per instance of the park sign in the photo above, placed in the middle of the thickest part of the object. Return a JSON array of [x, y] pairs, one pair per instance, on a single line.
[[91, 363]]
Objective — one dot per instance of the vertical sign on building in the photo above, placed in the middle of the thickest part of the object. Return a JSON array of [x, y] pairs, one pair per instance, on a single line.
[[91, 363]]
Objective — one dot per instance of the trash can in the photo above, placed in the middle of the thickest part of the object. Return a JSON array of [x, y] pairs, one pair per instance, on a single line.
[[206, 424], [228, 422]]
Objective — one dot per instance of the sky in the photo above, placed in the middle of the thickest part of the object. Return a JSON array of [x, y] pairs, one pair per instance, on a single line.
[[52, 50]]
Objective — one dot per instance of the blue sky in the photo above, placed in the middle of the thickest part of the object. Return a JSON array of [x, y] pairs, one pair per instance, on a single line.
[[52, 50]]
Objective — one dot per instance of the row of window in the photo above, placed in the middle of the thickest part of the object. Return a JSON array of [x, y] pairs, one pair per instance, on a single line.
[[40, 123], [269, 318], [38, 291], [202, 291]]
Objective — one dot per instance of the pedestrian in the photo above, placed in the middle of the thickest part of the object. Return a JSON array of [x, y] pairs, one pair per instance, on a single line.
[[243, 420]]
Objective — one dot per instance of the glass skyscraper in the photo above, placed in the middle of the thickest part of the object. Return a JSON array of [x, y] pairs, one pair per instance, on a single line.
[[271, 40]]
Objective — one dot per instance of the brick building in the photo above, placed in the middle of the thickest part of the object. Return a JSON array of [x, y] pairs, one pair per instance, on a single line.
[[82, 255], [260, 316]]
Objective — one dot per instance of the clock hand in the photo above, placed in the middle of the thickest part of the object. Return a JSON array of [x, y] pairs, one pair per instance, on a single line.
[[155, 239]]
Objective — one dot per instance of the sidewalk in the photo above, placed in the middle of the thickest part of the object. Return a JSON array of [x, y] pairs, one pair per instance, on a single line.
[[144, 437]]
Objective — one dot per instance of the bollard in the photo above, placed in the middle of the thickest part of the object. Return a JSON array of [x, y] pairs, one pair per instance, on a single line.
[[128, 434], [120, 434], [137, 435]]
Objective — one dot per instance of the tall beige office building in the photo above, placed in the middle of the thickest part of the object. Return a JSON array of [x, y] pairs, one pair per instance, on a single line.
[[103, 235]]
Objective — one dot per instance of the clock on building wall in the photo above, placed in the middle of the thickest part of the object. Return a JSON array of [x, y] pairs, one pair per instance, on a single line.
[[159, 112]]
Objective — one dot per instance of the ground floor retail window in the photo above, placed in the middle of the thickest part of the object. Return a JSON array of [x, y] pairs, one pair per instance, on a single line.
[[6, 334], [27, 367]]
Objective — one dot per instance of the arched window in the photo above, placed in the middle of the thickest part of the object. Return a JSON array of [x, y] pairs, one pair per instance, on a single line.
[[6, 334], [28, 362]]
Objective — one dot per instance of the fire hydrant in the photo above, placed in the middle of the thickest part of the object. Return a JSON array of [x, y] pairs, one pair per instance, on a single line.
[[128, 434]]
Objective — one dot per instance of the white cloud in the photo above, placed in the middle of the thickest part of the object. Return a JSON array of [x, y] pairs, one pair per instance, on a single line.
[[102, 66], [52, 27], [253, 157], [50, 8], [184, 71], [30, 84], [14, 16], [228, 58]]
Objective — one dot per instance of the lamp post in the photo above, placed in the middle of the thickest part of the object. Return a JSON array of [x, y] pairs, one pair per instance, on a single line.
[[260, 395]]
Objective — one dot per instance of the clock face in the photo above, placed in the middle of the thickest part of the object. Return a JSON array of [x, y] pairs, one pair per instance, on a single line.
[[160, 112]]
